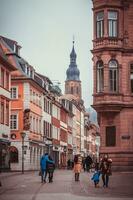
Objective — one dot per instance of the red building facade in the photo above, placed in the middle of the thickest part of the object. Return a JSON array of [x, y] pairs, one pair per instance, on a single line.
[[113, 78]]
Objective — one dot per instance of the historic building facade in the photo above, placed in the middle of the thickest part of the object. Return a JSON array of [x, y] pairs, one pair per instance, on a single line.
[[113, 78], [5, 86], [73, 93]]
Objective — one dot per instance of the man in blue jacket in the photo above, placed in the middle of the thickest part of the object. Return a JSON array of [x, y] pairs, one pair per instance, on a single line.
[[43, 162]]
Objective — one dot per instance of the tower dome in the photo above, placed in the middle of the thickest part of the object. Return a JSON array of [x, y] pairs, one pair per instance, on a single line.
[[73, 72]]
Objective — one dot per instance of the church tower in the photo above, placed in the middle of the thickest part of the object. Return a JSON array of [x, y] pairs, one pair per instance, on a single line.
[[73, 83]]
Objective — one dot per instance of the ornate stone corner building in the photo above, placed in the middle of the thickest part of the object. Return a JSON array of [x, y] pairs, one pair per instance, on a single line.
[[113, 78]]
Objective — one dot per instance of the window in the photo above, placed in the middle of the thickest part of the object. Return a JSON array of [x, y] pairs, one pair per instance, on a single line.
[[7, 80], [13, 154], [110, 136], [34, 97], [131, 77], [7, 113], [100, 24], [2, 77], [14, 122], [77, 90], [14, 93], [113, 76], [31, 96], [112, 24], [72, 90], [2, 111], [100, 76]]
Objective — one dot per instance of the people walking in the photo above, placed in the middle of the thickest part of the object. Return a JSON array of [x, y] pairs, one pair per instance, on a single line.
[[96, 178], [43, 162], [88, 163], [84, 165], [105, 167], [50, 167], [77, 166]]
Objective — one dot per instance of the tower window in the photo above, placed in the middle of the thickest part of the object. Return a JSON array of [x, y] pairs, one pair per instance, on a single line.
[[110, 136], [113, 76], [77, 90], [72, 90], [100, 76], [112, 24], [131, 77], [99, 24]]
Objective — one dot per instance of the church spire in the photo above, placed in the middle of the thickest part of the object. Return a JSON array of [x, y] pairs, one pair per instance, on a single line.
[[73, 83], [73, 72]]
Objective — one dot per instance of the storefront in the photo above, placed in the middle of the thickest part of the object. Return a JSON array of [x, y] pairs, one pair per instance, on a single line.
[[4, 155], [56, 156]]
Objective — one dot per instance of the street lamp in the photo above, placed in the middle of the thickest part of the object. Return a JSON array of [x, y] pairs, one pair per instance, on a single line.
[[23, 134]]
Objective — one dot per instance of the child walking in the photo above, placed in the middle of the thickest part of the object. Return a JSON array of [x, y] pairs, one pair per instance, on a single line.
[[96, 177]]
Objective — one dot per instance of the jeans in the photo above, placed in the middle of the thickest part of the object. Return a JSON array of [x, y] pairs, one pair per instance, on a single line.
[[50, 177], [43, 175], [105, 179]]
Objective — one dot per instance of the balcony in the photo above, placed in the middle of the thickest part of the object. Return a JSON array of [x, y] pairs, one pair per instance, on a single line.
[[108, 42]]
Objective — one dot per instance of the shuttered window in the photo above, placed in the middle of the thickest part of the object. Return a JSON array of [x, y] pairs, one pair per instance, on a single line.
[[110, 136]]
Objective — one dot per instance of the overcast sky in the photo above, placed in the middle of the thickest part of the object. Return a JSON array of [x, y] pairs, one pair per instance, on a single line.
[[45, 29]]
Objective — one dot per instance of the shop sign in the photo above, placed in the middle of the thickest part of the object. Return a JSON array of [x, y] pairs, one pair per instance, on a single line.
[[125, 137], [4, 135]]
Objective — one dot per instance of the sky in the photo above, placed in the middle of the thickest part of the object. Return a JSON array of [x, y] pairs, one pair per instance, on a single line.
[[45, 30]]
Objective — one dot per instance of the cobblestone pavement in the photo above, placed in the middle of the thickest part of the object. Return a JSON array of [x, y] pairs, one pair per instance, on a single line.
[[28, 186]]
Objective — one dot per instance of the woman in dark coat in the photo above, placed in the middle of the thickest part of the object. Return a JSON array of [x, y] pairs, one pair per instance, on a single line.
[[105, 167], [50, 169]]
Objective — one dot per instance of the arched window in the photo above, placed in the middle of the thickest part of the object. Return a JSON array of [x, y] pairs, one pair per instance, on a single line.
[[77, 90], [72, 90], [100, 76], [13, 154], [113, 76]]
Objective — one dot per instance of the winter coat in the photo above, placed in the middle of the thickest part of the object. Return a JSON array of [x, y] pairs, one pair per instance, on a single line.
[[77, 165], [50, 167], [105, 166], [96, 176], [43, 162], [88, 160]]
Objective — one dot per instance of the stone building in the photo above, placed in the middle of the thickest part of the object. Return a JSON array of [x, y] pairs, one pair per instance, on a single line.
[[113, 78]]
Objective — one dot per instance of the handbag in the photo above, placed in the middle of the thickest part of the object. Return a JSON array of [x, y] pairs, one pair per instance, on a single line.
[[40, 173]]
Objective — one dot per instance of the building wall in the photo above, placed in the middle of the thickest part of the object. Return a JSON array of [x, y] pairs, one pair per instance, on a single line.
[[115, 108]]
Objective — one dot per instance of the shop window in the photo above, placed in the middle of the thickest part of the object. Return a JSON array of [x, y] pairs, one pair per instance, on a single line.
[[13, 154], [100, 76], [100, 24], [110, 136], [112, 24]]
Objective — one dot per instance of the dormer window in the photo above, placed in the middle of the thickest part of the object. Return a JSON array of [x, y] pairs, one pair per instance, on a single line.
[[28, 71], [112, 23], [100, 24]]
